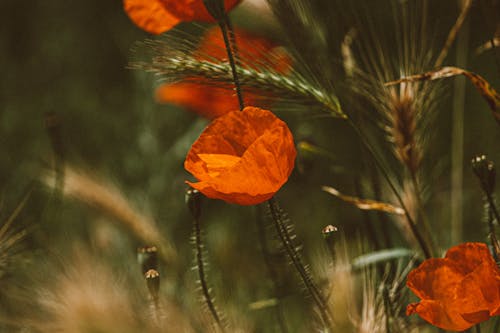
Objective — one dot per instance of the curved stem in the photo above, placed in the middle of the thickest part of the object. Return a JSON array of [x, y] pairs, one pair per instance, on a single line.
[[416, 233], [264, 246], [202, 275], [286, 240]]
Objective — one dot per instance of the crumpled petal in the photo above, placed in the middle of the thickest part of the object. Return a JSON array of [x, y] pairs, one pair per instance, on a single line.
[[193, 10], [262, 157], [439, 315], [458, 291], [435, 278], [150, 15], [468, 256]]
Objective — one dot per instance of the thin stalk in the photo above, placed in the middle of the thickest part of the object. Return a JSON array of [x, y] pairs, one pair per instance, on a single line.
[[420, 208], [466, 5], [457, 139], [264, 246], [311, 287], [416, 233], [493, 237], [367, 221], [217, 10], [225, 25], [384, 221], [202, 275], [232, 40], [492, 205]]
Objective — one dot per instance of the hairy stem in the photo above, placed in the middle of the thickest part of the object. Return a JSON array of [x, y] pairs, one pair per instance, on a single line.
[[294, 256], [202, 274], [264, 246], [225, 26]]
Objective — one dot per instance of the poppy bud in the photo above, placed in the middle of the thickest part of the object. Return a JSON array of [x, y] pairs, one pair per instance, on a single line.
[[153, 282], [328, 231], [148, 258], [485, 171], [328, 234], [193, 201]]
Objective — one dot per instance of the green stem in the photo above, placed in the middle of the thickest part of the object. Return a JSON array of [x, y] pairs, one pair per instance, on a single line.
[[264, 246], [411, 224], [286, 240], [492, 205], [420, 209], [202, 274], [226, 26]]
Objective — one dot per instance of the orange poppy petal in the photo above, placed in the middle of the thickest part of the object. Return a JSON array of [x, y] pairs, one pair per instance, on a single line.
[[217, 163], [243, 199], [205, 100], [435, 278], [458, 291], [479, 291], [193, 10], [468, 256], [263, 169], [209, 100], [439, 315], [250, 46], [150, 15], [263, 157]]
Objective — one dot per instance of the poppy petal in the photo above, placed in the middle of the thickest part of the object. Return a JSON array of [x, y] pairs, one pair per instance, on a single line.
[[467, 256], [193, 10], [243, 157], [435, 278], [484, 284], [203, 99], [150, 15], [439, 315], [458, 291]]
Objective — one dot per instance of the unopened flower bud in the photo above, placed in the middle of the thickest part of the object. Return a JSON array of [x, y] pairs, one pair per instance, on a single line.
[[193, 201], [153, 282], [484, 170], [148, 258], [328, 234], [329, 230]]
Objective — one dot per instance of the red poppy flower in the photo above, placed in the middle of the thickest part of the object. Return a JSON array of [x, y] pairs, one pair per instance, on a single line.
[[242, 157], [213, 101], [158, 16], [457, 291]]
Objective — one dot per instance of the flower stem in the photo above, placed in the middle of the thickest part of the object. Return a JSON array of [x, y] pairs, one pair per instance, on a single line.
[[216, 8], [200, 266], [290, 249], [227, 30], [193, 201], [413, 227], [264, 246]]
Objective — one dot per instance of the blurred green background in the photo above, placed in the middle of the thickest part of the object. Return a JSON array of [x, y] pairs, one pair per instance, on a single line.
[[70, 57]]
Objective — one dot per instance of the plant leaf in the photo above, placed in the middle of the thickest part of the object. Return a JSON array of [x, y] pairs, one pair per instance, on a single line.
[[378, 256], [365, 204]]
